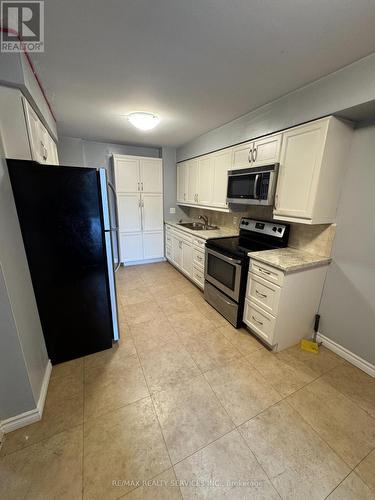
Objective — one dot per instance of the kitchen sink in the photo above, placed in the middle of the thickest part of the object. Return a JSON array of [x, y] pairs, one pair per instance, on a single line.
[[197, 226]]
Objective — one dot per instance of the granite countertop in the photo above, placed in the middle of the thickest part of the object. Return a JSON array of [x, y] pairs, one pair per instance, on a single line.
[[289, 259], [206, 235]]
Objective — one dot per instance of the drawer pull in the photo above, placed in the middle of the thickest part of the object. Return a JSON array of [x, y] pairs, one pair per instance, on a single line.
[[257, 321], [199, 258], [264, 271], [261, 294]]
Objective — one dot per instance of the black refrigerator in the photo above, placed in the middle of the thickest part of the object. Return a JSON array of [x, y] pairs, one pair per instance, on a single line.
[[70, 243]]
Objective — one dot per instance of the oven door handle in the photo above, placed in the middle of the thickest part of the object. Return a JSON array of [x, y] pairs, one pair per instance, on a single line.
[[224, 257], [257, 177]]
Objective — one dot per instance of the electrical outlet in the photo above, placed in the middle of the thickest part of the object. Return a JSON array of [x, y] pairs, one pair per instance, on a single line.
[[172, 210]]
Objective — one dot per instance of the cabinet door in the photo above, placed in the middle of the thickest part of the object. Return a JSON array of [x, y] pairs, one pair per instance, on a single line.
[[192, 181], [35, 132], [182, 182], [131, 247], [300, 161], [51, 149], [152, 212], [267, 150], [221, 165], [151, 175], [153, 247], [242, 155], [187, 258], [127, 175], [177, 251], [129, 212], [205, 181]]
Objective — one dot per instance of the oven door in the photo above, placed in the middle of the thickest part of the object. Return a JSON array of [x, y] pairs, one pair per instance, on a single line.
[[224, 273]]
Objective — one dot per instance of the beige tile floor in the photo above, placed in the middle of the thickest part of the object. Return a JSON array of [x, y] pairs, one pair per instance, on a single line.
[[188, 407]]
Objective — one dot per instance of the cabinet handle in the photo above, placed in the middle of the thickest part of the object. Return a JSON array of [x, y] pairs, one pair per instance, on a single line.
[[257, 321], [261, 294], [255, 154], [276, 201], [264, 271], [141, 186], [184, 196], [138, 187], [199, 258], [250, 155]]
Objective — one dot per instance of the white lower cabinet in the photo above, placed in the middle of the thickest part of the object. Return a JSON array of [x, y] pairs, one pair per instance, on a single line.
[[131, 247], [280, 307], [186, 253]]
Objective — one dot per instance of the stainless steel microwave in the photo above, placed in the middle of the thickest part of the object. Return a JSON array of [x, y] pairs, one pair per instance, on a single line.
[[252, 186]]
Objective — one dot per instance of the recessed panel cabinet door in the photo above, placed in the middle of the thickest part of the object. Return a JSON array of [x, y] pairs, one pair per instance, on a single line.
[[221, 164], [300, 162], [127, 175], [242, 155], [151, 175], [177, 251], [205, 180], [129, 209], [187, 258], [131, 247], [192, 181], [181, 182], [153, 247], [152, 212], [267, 150]]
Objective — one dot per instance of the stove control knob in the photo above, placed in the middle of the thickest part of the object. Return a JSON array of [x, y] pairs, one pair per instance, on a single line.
[[280, 229], [274, 228]]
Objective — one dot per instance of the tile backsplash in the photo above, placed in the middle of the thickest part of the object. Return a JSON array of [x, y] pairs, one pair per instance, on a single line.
[[315, 239]]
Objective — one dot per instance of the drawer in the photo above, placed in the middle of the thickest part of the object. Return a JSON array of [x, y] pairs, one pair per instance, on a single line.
[[198, 277], [198, 258], [267, 272], [168, 229], [199, 242], [260, 322], [263, 293]]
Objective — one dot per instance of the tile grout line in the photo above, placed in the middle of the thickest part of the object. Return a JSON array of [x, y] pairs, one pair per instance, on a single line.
[[157, 417]]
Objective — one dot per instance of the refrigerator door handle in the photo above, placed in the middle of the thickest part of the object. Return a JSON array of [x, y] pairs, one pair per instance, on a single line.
[[112, 188]]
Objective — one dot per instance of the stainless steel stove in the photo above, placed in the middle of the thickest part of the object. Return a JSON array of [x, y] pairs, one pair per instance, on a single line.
[[227, 264]]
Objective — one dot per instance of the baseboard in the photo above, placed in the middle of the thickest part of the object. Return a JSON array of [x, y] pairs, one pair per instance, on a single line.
[[31, 416], [352, 358], [147, 261]]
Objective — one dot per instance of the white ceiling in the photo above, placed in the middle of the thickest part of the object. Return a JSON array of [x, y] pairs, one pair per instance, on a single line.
[[196, 63]]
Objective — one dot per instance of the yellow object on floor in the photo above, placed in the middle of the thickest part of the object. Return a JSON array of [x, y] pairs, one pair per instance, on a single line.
[[310, 346]]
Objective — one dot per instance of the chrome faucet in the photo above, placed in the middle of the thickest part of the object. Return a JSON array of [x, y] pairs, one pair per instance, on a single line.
[[204, 218]]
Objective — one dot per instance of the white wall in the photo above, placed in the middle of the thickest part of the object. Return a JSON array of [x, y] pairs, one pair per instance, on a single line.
[[170, 184], [23, 355], [348, 303]]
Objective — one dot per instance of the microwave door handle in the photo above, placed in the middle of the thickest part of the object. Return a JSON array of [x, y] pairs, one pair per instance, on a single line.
[[255, 193]]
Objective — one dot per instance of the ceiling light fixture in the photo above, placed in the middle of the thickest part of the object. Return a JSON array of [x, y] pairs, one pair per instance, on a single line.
[[143, 121]]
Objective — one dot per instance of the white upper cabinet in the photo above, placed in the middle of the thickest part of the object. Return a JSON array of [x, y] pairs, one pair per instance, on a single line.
[[127, 175], [203, 181], [256, 153], [151, 175], [266, 151], [42, 146], [205, 176], [221, 163], [312, 163], [135, 175], [192, 182], [182, 181]]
